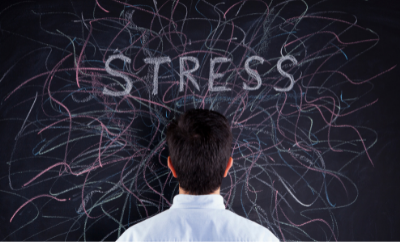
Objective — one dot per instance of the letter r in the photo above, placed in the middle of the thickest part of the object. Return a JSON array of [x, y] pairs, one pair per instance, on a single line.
[[187, 73]]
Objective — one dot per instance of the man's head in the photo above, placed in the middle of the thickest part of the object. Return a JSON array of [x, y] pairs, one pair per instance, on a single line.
[[199, 143]]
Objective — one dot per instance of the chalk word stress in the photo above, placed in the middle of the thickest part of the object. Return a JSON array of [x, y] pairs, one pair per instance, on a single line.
[[157, 61]]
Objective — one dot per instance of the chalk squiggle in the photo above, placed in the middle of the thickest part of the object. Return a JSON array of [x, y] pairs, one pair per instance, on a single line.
[[96, 128]]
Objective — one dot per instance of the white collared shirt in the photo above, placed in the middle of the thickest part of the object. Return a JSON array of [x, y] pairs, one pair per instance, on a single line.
[[197, 218]]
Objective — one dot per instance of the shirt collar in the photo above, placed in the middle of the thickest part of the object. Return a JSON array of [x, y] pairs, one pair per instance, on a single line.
[[212, 201]]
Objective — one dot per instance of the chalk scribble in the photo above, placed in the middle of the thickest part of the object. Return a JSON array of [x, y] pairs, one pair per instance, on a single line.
[[95, 120]]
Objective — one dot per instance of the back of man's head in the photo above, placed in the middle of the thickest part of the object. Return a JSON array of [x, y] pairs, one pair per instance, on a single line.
[[199, 143]]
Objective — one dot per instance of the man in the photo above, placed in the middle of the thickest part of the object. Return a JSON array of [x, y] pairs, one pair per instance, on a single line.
[[199, 143]]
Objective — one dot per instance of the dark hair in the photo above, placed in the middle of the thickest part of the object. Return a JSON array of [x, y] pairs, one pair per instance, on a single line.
[[199, 143]]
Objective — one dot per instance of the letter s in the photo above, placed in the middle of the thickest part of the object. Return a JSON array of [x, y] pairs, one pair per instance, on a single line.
[[118, 74], [253, 73], [279, 66]]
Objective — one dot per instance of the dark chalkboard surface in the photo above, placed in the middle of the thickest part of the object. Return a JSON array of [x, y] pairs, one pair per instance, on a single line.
[[310, 88]]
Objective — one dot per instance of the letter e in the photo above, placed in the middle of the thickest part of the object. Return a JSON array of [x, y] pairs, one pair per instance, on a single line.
[[215, 75]]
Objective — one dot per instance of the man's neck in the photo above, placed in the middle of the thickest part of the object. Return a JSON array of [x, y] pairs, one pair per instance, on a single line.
[[181, 191]]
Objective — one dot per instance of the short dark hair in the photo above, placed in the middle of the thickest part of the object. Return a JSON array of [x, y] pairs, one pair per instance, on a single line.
[[199, 144]]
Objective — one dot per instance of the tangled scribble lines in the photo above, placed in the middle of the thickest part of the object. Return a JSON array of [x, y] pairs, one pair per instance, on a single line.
[[89, 156]]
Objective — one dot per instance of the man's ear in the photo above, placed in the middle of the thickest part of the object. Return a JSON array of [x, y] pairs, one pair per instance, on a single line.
[[228, 166], [171, 167]]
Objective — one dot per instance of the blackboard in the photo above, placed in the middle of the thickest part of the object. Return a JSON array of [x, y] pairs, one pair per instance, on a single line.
[[310, 89]]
